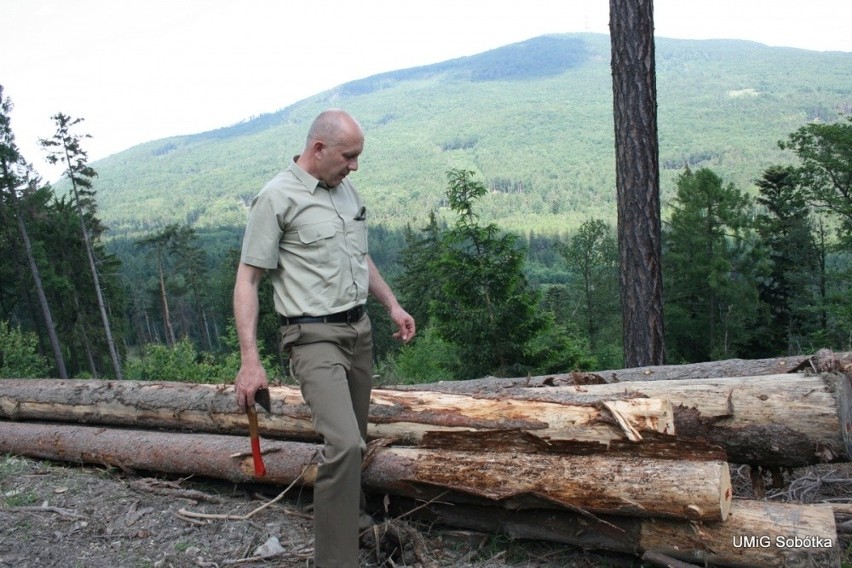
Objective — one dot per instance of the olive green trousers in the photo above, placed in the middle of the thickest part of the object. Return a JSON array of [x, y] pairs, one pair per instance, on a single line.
[[334, 366]]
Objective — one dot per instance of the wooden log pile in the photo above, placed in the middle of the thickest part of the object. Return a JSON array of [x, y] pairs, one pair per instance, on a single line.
[[637, 467]]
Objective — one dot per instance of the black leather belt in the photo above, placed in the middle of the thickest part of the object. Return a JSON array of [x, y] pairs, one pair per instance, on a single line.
[[349, 316]]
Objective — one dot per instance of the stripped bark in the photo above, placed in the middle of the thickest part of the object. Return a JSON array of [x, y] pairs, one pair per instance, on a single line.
[[400, 415], [784, 420], [787, 420], [599, 483]]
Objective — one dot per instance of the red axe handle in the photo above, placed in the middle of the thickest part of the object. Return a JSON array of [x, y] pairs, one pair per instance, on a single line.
[[259, 468]]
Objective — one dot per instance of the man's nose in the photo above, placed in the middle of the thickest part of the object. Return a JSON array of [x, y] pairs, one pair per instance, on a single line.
[[353, 165]]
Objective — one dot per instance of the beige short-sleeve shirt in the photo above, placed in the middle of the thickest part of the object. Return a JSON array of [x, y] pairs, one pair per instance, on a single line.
[[313, 239]]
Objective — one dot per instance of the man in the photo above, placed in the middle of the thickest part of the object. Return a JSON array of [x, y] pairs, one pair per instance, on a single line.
[[308, 225]]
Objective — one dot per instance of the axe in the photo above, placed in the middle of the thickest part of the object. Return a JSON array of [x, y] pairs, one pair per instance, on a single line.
[[261, 397]]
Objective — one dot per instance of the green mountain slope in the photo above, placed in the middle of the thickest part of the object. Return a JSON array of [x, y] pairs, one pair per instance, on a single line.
[[533, 119]]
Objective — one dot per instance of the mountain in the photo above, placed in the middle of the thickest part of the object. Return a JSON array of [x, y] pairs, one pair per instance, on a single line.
[[533, 119]]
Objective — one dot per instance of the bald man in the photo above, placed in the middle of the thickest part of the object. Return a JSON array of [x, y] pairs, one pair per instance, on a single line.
[[308, 227]]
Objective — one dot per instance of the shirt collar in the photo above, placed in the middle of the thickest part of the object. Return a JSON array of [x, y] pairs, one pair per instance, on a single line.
[[310, 182]]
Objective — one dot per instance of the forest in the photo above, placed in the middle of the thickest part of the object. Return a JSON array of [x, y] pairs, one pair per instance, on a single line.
[[745, 276], [534, 120]]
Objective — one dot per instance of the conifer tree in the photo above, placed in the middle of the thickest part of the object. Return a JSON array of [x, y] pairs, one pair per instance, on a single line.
[[65, 148], [16, 176], [825, 151], [785, 228], [485, 306], [712, 266]]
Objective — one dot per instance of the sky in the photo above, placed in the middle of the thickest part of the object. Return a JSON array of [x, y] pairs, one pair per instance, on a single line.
[[140, 70]]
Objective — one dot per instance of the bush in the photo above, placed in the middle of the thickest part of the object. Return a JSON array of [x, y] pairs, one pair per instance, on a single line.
[[19, 356], [183, 363], [556, 350], [178, 363], [427, 360]]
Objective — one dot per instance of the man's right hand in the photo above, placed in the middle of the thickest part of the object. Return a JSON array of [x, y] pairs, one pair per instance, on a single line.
[[250, 378]]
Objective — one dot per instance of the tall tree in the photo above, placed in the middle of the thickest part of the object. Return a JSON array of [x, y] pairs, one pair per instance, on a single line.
[[711, 270], [65, 148], [16, 176], [176, 244], [593, 253], [483, 305], [785, 228], [634, 86], [160, 243], [825, 151], [193, 262]]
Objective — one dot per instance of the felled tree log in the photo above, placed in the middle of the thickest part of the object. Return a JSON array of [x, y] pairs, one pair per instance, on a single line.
[[785, 420], [707, 370], [393, 414], [758, 534], [601, 483]]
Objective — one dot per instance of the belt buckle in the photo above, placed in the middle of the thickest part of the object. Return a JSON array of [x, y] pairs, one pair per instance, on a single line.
[[352, 315]]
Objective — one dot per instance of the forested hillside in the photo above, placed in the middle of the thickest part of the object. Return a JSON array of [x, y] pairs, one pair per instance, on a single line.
[[490, 185], [533, 120]]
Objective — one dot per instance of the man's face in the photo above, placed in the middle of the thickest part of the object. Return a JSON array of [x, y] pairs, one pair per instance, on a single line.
[[339, 157]]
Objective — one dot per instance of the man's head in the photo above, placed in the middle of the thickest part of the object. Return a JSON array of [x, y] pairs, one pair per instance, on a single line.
[[335, 140]]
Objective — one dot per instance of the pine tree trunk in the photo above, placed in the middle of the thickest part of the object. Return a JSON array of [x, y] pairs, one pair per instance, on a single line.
[[113, 353], [637, 181], [58, 358], [164, 299], [83, 334]]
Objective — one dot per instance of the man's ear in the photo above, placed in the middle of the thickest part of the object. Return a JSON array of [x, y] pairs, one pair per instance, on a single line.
[[317, 147]]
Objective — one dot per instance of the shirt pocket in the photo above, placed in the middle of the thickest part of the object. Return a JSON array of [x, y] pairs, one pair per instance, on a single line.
[[316, 240], [356, 234]]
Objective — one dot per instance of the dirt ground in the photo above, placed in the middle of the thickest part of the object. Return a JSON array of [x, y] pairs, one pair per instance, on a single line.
[[63, 516]]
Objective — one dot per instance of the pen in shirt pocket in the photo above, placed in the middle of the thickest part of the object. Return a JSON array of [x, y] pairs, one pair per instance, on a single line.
[[362, 214]]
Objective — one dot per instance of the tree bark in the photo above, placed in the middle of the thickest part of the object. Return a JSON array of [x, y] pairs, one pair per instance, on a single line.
[[406, 416], [785, 420], [717, 543], [637, 181], [597, 483], [756, 533], [788, 420]]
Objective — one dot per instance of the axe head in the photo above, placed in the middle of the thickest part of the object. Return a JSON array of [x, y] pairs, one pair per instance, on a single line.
[[261, 397]]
